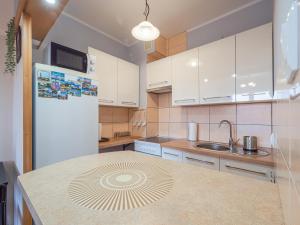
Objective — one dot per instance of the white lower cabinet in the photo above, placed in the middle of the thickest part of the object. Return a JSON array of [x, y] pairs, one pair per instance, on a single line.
[[224, 165], [171, 154], [247, 169], [202, 160]]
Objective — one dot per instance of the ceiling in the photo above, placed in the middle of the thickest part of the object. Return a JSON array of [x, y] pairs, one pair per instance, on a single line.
[[116, 18]]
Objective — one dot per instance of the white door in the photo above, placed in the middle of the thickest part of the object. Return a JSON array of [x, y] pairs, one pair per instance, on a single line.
[[254, 71], [128, 84], [185, 80], [217, 71], [159, 73], [106, 71]]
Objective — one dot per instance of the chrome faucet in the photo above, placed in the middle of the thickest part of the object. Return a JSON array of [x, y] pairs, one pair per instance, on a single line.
[[230, 142]]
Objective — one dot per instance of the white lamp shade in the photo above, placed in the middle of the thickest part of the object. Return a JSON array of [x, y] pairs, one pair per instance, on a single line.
[[145, 31]]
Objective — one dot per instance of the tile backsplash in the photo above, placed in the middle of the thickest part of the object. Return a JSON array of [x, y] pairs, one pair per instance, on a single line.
[[160, 118], [247, 119], [113, 119]]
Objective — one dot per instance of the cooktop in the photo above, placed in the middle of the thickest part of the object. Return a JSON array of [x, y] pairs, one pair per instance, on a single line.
[[156, 139]]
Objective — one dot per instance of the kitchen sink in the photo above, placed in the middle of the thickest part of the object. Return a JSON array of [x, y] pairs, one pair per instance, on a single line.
[[213, 146]]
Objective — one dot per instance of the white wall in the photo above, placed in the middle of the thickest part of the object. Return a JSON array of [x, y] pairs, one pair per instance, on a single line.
[[6, 90]]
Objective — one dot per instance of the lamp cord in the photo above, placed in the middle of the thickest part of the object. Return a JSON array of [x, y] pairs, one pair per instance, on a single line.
[[147, 10]]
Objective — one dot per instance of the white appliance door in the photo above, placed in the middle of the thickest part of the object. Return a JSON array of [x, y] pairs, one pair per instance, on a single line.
[[65, 115]]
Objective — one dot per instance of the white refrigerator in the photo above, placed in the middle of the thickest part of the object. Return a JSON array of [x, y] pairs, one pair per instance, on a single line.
[[65, 115]]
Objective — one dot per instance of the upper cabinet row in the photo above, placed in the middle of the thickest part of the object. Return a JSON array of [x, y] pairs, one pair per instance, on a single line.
[[237, 68], [118, 80]]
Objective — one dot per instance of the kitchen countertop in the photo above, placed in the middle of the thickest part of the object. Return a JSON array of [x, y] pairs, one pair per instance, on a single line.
[[188, 146], [130, 188], [118, 141]]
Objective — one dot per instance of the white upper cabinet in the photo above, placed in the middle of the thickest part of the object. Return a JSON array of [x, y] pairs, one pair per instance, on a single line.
[[217, 71], [159, 73], [128, 84], [185, 80], [106, 72], [254, 73]]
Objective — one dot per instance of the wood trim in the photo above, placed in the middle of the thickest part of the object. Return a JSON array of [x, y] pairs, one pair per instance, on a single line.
[[27, 103], [43, 15], [21, 6], [177, 44]]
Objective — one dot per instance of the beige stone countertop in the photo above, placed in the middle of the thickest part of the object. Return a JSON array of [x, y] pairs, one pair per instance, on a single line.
[[189, 146], [130, 188]]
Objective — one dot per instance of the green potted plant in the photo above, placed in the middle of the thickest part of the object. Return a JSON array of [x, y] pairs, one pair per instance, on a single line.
[[10, 56]]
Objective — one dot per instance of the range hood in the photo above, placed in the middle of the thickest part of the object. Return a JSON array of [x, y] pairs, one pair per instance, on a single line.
[[160, 90]]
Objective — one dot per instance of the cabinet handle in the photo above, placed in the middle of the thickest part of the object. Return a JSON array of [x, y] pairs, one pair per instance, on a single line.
[[245, 170], [185, 100], [158, 83], [106, 101], [200, 160], [128, 103], [217, 97], [260, 93], [168, 153]]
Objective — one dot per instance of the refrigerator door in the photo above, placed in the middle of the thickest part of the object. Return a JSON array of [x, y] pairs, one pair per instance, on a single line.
[[65, 115]]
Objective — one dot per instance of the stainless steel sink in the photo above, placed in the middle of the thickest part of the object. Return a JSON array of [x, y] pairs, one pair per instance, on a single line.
[[213, 146]]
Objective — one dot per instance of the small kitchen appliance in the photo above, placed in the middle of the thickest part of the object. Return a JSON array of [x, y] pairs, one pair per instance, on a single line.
[[250, 143]]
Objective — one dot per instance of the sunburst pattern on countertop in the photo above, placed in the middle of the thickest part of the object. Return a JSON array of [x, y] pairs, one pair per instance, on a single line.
[[120, 186]]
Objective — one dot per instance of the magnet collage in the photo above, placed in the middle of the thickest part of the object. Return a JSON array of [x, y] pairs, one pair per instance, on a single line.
[[54, 85]]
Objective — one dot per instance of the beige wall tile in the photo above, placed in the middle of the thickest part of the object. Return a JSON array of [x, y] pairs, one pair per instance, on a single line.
[[178, 130], [221, 134], [283, 181], [120, 127], [138, 116], [139, 131], [105, 114], [164, 115], [178, 115], [259, 113], [198, 114], [295, 142], [152, 100], [164, 100], [295, 206], [152, 129], [107, 130], [152, 115], [163, 129], [262, 132], [222, 112], [120, 115], [203, 132]]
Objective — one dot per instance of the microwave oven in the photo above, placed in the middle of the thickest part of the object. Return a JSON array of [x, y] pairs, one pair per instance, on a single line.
[[65, 57]]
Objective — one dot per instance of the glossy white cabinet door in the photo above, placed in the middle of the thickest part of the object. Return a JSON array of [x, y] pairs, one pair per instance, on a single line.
[[254, 73], [128, 84], [106, 72], [201, 160], [185, 80], [159, 73], [247, 169], [217, 71]]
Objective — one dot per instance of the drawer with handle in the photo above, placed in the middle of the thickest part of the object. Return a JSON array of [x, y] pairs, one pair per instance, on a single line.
[[106, 101], [171, 154], [247, 169], [201, 160]]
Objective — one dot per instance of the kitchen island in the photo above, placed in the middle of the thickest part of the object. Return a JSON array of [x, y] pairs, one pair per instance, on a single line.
[[129, 188]]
